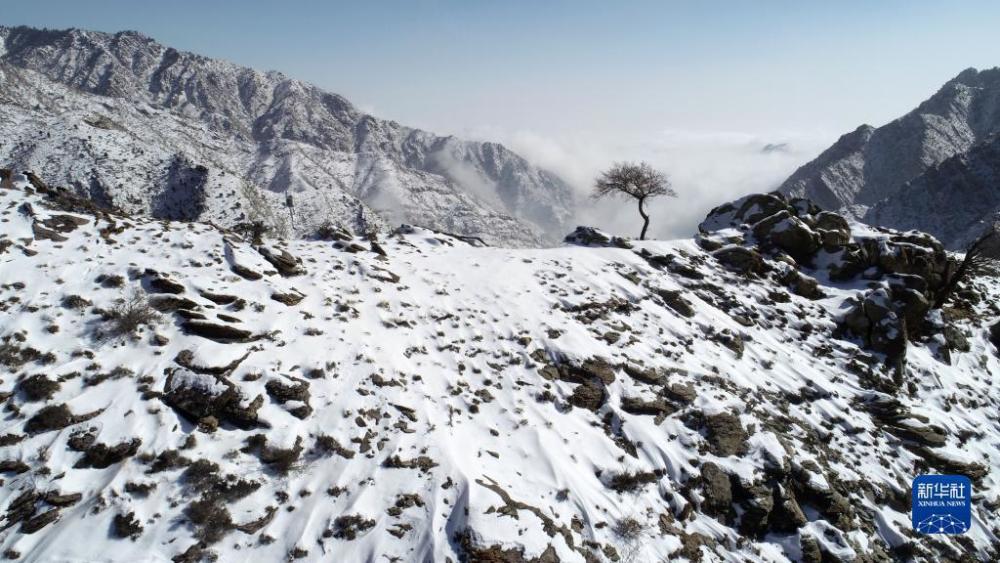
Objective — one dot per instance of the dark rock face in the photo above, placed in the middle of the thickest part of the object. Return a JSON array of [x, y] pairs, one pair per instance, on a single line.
[[726, 434], [199, 396], [741, 260], [216, 331], [718, 492], [789, 234]]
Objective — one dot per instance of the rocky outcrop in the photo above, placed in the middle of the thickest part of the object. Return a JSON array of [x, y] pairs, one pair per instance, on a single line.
[[786, 238], [198, 396]]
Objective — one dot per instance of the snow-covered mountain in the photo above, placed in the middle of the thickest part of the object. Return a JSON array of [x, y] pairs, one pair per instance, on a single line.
[[870, 165], [764, 392], [955, 200], [149, 129]]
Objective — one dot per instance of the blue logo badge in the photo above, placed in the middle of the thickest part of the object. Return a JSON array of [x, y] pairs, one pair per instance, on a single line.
[[942, 504]]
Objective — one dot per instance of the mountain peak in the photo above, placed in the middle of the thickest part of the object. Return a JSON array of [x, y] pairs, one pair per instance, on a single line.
[[870, 164], [176, 130]]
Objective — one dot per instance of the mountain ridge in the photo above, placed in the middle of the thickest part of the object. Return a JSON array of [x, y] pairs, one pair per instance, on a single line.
[[872, 164], [284, 136]]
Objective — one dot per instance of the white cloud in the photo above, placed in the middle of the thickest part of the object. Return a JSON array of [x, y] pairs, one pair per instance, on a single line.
[[707, 168]]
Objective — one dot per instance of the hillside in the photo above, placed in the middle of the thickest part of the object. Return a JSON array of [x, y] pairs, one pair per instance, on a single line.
[[763, 392], [956, 199], [870, 166], [132, 123]]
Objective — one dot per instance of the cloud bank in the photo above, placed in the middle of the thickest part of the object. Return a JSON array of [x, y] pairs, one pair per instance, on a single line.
[[705, 168]]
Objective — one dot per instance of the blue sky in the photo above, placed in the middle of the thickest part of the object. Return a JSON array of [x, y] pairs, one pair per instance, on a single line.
[[563, 66], [695, 87]]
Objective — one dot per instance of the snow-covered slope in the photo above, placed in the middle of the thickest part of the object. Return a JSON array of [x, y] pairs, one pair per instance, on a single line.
[[956, 200], [147, 128], [417, 398], [871, 164]]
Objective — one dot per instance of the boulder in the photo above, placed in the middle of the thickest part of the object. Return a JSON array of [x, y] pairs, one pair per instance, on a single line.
[[741, 260], [589, 236], [833, 229], [789, 234], [289, 298], [717, 492], [215, 331], [588, 396], [196, 396], [676, 301], [726, 435], [286, 264]]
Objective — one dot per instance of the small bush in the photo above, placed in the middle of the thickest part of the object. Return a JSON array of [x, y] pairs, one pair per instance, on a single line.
[[126, 526], [628, 528], [38, 387], [130, 312], [75, 302], [211, 520], [53, 417], [348, 527], [631, 482]]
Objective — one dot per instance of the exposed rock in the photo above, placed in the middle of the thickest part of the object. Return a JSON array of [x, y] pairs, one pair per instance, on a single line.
[[289, 298], [717, 491], [726, 434], [588, 396], [100, 456], [674, 300], [158, 283], [589, 236], [297, 391], [38, 387], [741, 260], [36, 523], [196, 396], [788, 233], [285, 263], [169, 303], [216, 331]]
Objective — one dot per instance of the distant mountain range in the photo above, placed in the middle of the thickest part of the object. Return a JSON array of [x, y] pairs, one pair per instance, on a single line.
[[141, 126], [934, 169]]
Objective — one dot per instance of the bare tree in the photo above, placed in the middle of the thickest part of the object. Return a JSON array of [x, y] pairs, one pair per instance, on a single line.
[[636, 180], [981, 257]]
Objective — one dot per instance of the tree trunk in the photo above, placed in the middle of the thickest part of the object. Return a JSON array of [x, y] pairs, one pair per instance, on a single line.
[[645, 219]]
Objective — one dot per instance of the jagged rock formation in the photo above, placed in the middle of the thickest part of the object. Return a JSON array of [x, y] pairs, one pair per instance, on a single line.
[[712, 399], [134, 124], [871, 167]]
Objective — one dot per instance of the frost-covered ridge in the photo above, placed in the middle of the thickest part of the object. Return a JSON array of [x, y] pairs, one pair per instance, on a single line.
[[141, 126], [752, 394]]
